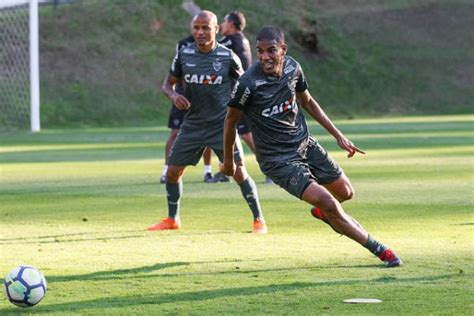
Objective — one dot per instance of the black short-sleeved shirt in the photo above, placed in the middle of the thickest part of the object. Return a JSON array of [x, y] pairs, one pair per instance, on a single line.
[[240, 45], [207, 79], [278, 126]]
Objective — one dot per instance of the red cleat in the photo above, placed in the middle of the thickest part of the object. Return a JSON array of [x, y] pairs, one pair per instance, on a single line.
[[165, 224], [390, 258], [316, 212]]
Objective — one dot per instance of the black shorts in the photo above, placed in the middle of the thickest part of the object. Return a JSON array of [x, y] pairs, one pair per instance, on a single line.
[[243, 126], [190, 143], [295, 174], [176, 117]]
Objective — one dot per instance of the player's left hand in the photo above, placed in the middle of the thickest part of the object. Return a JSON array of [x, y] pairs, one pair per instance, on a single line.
[[347, 145]]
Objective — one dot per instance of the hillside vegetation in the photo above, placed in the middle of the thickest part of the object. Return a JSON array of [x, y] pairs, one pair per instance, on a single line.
[[102, 61]]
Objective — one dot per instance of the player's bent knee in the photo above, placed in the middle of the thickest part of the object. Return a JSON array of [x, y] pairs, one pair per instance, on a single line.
[[174, 174], [347, 194]]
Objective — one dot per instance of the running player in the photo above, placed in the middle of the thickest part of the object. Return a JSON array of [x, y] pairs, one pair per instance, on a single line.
[[286, 152], [207, 70]]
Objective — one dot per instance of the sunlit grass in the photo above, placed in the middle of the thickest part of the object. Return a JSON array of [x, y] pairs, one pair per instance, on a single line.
[[78, 212]]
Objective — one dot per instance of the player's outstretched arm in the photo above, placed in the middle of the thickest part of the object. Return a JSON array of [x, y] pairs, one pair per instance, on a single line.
[[314, 109], [231, 119], [179, 100]]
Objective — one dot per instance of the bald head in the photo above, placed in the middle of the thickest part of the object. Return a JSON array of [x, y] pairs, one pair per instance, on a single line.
[[204, 29], [205, 15]]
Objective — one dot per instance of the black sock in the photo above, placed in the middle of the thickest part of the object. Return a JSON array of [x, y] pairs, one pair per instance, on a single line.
[[174, 192], [374, 246], [249, 191]]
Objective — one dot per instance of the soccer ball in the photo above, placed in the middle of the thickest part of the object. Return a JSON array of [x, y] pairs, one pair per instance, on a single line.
[[24, 286]]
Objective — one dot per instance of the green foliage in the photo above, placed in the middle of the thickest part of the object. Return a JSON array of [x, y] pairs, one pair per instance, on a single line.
[[75, 204], [103, 62]]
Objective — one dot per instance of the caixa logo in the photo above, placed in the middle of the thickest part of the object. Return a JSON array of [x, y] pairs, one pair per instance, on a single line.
[[280, 108], [203, 79]]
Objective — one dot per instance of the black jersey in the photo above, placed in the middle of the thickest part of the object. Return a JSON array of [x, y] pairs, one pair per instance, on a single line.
[[279, 128], [207, 80], [240, 45]]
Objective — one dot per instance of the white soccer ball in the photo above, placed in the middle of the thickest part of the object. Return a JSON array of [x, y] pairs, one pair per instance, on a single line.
[[24, 286]]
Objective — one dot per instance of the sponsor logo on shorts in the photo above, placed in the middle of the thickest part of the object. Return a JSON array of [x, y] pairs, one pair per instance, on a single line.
[[203, 79], [293, 180], [286, 106]]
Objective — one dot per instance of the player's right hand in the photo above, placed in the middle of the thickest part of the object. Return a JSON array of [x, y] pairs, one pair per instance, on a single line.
[[181, 102], [228, 168]]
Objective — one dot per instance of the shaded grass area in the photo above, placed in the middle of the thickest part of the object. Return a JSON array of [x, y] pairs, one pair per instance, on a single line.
[[103, 61], [80, 218]]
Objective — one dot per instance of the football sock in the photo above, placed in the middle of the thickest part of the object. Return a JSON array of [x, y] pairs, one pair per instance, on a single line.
[[174, 190], [207, 169], [374, 246], [165, 170], [249, 192]]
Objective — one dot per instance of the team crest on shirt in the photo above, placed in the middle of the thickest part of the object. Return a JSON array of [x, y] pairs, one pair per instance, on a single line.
[[217, 65]]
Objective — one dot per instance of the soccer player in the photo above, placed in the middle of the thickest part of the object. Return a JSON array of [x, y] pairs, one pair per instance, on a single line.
[[267, 93], [207, 70], [175, 119], [232, 27]]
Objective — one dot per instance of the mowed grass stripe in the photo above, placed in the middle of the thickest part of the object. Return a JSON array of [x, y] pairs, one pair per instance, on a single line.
[[81, 216]]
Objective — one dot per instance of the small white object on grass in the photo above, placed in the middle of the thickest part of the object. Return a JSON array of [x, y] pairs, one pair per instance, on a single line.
[[362, 301]]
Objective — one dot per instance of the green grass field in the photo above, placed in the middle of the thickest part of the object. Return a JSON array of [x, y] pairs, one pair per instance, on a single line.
[[75, 204]]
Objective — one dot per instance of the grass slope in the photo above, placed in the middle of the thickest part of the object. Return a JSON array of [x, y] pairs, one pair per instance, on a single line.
[[74, 203], [103, 61]]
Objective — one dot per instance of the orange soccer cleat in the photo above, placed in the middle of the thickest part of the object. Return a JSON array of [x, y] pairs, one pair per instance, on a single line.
[[166, 223], [259, 226]]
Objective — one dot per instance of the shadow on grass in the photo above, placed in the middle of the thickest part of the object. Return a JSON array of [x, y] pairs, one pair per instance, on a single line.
[[84, 187], [196, 296], [85, 236], [115, 274], [67, 238]]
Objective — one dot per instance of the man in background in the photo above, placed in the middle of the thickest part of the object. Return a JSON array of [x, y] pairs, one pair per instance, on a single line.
[[232, 27], [208, 71], [175, 119]]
